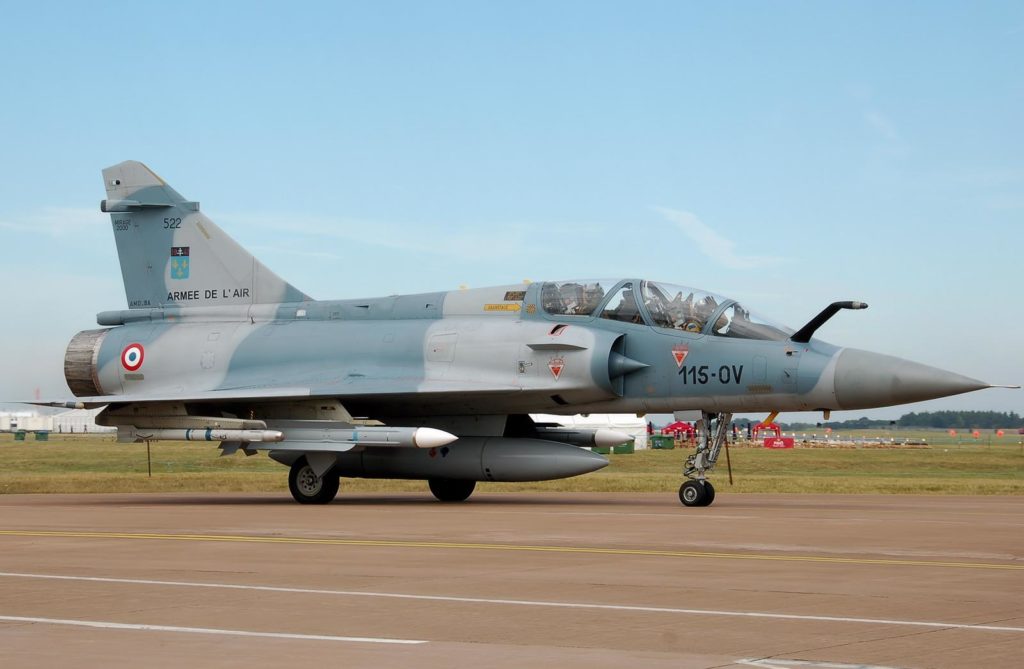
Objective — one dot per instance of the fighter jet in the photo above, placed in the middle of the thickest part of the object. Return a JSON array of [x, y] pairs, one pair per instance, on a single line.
[[434, 386]]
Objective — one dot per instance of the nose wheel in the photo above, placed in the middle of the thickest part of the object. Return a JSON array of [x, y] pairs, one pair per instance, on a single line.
[[698, 491]]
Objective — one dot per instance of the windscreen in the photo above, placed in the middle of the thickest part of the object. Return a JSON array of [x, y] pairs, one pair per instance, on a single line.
[[738, 322]]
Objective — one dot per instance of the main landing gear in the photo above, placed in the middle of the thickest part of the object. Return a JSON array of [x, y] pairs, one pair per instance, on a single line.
[[698, 491], [308, 488], [451, 490]]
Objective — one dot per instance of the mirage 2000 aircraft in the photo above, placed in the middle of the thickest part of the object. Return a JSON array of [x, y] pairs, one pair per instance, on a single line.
[[434, 386]]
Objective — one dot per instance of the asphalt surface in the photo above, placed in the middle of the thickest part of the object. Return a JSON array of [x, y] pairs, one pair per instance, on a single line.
[[511, 580]]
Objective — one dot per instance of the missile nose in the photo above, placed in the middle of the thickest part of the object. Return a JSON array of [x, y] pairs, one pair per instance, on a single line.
[[428, 437], [606, 437], [864, 380]]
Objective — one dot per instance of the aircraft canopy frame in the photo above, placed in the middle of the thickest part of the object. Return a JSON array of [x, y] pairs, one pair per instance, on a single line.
[[661, 306]]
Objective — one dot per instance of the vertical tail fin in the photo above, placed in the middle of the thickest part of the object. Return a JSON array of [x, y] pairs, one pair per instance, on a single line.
[[173, 255]]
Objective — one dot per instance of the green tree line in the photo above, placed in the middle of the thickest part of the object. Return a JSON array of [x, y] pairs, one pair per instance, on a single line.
[[964, 420], [961, 419]]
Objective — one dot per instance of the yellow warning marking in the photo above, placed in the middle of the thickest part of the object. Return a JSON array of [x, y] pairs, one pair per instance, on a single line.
[[587, 550], [501, 307]]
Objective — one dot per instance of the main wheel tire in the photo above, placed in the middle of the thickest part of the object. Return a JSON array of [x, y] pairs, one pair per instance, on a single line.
[[308, 488], [709, 493], [451, 490], [692, 493]]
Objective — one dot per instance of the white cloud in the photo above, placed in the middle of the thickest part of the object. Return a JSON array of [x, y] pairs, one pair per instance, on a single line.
[[991, 177], [491, 241], [713, 245], [881, 128], [260, 249], [59, 222], [52, 304], [882, 125], [884, 137], [1006, 202]]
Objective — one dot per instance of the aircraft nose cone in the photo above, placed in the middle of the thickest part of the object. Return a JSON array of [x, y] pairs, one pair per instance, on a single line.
[[864, 380]]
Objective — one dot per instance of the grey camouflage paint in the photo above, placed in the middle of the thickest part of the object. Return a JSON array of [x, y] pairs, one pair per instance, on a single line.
[[230, 330], [212, 339]]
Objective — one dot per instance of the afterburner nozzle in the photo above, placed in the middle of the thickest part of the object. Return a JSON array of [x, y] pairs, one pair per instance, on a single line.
[[864, 380]]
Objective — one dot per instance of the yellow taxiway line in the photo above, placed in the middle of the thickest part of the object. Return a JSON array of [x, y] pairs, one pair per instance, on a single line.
[[586, 550]]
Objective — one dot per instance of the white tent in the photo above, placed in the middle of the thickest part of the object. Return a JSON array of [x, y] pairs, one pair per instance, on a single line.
[[24, 420], [79, 421]]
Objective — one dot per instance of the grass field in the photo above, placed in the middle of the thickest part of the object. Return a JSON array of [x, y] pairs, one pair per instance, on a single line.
[[77, 463]]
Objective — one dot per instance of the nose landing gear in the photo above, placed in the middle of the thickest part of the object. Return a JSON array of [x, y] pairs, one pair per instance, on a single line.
[[698, 491]]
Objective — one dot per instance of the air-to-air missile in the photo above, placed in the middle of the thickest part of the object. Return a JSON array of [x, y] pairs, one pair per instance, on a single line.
[[435, 386]]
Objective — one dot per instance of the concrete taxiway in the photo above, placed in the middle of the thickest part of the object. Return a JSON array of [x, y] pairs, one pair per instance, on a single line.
[[511, 580]]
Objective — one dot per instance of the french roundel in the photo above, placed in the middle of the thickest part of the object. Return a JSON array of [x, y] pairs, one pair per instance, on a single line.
[[132, 357]]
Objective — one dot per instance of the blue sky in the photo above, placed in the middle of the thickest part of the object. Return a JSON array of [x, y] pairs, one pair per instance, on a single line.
[[786, 154]]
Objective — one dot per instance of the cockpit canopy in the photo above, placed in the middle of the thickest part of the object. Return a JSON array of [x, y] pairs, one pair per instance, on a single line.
[[660, 305]]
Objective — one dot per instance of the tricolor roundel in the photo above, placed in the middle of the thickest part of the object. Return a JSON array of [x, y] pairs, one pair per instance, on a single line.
[[132, 357]]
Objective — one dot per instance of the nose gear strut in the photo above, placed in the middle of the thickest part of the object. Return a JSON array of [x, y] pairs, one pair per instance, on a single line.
[[714, 430]]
